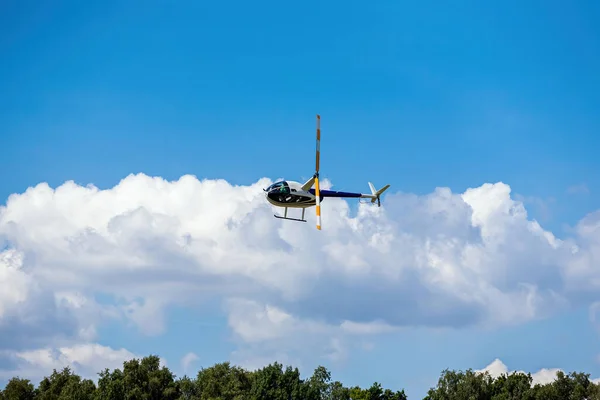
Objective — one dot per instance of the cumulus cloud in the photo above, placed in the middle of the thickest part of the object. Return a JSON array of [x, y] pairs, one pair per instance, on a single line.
[[187, 360], [77, 256], [85, 359], [14, 283], [264, 330]]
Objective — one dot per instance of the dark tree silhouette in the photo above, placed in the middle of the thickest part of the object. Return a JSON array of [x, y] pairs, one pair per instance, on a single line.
[[145, 379]]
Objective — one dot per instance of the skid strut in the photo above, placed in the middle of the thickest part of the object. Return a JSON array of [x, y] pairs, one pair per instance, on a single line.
[[291, 219]]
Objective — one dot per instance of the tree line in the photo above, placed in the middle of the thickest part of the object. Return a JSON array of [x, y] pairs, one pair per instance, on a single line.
[[145, 379]]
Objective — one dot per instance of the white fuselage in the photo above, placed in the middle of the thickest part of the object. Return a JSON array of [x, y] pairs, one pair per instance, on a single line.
[[289, 194]]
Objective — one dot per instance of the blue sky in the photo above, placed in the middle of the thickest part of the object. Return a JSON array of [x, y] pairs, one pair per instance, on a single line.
[[416, 95]]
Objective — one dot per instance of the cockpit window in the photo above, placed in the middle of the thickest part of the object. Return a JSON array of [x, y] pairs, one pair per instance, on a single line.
[[279, 187]]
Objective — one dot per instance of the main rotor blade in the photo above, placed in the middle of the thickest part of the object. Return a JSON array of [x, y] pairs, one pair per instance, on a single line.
[[318, 206], [317, 190], [318, 142]]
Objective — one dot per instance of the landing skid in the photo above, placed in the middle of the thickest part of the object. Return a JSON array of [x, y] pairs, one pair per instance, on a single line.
[[288, 218], [291, 219]]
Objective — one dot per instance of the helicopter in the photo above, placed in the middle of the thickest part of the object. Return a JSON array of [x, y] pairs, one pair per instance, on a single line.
[[291, 194]]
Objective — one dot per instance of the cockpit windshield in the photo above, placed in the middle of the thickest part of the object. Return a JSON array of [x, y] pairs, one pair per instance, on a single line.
[[279, 187]]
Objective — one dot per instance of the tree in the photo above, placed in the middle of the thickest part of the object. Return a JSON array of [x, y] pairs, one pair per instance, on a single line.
[[110, 385], [467, 385], [337, 391], [223, 381], [18, 389], [145, 380], [514, 386], [65, 385], [187, 389], [317, 386], [375, 392], [273, 383]]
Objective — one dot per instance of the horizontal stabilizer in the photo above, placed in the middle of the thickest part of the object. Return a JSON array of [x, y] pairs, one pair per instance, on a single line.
[[375, 194], [308, 184]]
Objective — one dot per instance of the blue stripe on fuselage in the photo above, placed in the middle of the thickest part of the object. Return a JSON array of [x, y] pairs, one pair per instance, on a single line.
[[333, 193]]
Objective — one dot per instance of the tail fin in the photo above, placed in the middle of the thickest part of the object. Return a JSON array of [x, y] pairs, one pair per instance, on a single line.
[[377, 193], [373, 191]]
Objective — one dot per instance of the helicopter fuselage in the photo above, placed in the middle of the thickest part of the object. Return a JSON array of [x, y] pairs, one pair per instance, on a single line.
[[289, 194]]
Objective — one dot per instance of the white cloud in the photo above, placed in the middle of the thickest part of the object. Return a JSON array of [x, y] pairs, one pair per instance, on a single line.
[[85, 359], [263, 330], [581, 188], [147, 244], [187, 360], [14, 283], [370, 328]]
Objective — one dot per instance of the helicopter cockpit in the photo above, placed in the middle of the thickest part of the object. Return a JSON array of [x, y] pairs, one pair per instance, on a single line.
[[281, 192], [279, 187]]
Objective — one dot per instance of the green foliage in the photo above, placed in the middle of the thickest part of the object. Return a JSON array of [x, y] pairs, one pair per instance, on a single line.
[[468, 385], [18, 389], [462, 385], [513, 386], [65, 385], [145, 379], [221, 381]]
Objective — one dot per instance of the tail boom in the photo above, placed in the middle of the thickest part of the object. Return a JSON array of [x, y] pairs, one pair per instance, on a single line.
[[374, 196]]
